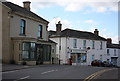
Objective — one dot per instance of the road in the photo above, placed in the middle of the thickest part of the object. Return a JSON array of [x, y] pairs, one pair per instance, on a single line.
[[84, 73]]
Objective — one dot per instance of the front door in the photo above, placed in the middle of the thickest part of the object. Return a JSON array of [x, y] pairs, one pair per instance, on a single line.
[[40, 54]]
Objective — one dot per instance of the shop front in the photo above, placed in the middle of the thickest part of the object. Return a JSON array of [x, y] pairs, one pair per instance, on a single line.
[[32, 52], [78, 56]]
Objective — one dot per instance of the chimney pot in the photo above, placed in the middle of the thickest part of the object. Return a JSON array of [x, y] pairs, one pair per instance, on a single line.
[[96, 32], [26, 5]]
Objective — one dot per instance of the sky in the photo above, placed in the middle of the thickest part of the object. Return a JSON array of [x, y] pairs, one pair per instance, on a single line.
[[83, 15]]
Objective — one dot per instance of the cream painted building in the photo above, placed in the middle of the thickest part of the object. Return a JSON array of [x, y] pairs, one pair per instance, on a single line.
[[25, 36], [81, 46]]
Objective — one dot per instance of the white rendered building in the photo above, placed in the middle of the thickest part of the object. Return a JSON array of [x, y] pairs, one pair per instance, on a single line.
[[113, 52], [81, 46]]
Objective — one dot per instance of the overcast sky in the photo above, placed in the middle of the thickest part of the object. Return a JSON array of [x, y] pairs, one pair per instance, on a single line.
[[83, 15]]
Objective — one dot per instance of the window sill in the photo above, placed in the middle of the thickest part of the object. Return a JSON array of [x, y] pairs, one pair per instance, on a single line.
[[22, 34], [40, 38], [74, 47]]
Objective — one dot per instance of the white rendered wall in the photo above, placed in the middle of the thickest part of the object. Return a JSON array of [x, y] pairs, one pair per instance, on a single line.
[[97, 51], [118, 60], [63, 53]]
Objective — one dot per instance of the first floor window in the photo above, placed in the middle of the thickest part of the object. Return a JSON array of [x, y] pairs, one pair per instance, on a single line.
[[107, 51], [75, 43], [40, 31], [84, 44], [101, 45], [22, 27], [93, 44]]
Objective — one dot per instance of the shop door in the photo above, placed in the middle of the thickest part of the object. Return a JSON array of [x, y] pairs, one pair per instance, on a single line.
[[73, 58], [40, 54]]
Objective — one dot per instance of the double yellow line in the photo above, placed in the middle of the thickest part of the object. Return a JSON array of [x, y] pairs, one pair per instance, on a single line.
[[96, 74]]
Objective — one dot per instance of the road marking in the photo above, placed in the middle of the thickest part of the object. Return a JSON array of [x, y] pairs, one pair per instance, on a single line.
[[10, 71], [49, 71], [96, 74], [22, 78]]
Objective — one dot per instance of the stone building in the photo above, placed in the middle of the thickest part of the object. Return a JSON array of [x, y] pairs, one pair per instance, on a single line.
[[25, 36]]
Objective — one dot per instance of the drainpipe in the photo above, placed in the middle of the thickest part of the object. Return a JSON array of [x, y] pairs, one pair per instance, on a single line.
[[59, 48]]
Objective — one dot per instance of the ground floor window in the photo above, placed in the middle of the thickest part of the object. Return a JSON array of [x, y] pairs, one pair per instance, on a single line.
[[79, 58], [101, 57], [28, 50], [73, 58], [83, 58]]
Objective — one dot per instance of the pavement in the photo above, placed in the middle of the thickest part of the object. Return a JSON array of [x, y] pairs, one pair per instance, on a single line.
[[11, 67]]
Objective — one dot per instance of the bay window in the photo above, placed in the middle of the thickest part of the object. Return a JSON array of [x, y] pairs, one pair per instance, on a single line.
[[28, 50]]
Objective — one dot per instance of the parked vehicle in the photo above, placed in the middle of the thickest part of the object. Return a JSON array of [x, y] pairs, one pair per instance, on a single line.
[[96, 63], [112, 64], [106, 64], [109, 64], [101, 63]]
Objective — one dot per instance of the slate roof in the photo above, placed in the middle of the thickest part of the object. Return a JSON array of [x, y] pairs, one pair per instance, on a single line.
[[51, 33], [113, 46], [80, 34], [23, 11]]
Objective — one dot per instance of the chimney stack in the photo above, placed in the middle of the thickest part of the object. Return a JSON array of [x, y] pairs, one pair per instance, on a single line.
[[96, 32], [58, 28], [109, 41], [26, 5]]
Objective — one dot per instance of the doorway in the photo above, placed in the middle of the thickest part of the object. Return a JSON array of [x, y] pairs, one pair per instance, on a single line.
[[39, 54]]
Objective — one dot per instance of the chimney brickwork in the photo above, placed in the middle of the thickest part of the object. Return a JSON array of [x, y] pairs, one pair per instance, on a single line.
[[58, 28], [109, 41], [26, 5]]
